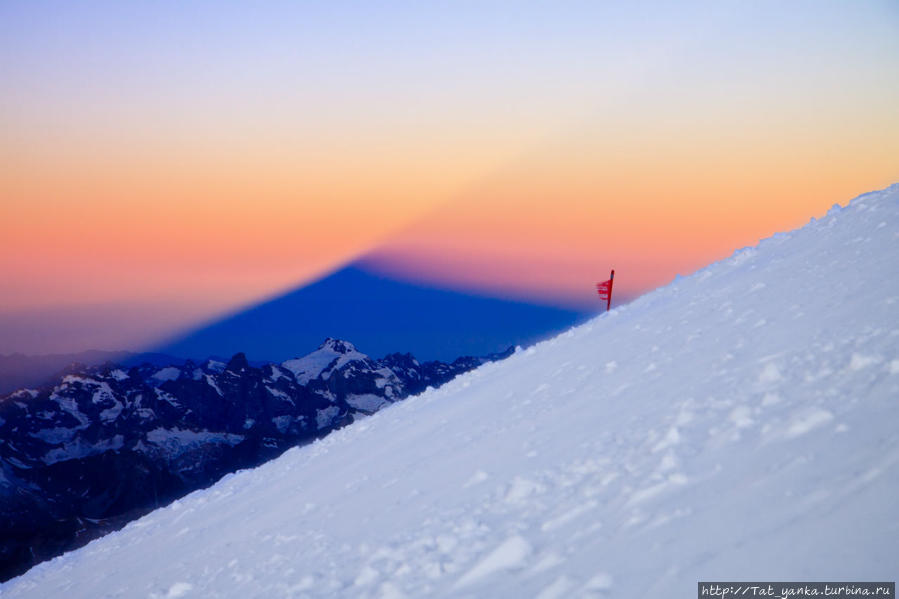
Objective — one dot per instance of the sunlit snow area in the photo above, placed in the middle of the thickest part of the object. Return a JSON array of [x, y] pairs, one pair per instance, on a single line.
[[737, 424]]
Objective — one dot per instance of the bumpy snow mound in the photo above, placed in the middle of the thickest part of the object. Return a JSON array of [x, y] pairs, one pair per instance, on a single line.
[[738, 424]]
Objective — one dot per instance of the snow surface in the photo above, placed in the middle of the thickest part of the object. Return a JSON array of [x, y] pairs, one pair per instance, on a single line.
[[169, 373], [211, 382], [366, 402], [215, 366], [79, 448], [737, 424], [177, 437], [119, 374], [69, 405]]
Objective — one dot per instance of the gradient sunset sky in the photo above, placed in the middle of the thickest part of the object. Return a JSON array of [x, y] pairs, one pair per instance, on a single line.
[[167, 162]]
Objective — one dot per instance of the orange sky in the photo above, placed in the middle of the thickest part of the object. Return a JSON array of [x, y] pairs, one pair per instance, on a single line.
[[180, 164], [666, 193]]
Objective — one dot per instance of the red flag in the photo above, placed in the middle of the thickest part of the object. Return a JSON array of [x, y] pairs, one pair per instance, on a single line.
[[604, 290]]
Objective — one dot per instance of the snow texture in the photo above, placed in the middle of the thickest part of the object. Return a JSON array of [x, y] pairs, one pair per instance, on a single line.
[[169, 373], [737, 424]]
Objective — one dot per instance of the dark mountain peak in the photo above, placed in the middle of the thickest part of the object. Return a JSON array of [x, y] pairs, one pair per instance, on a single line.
[[398, 359], [500, 355], [338, 346], [238, 363]]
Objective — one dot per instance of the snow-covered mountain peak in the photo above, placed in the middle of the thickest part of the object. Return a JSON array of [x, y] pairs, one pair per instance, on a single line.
[[332, 354], [338, 346], [737, 424]]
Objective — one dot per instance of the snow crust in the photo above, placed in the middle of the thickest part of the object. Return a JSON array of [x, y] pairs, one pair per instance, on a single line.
[[737, 424]]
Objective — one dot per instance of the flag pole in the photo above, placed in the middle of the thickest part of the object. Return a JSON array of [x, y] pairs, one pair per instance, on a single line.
[[611, 282]]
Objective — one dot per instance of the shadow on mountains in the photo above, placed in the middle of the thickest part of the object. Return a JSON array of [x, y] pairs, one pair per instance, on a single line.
[[380, 315]]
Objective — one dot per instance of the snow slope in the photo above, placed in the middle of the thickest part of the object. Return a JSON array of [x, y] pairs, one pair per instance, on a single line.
[[738, 424]]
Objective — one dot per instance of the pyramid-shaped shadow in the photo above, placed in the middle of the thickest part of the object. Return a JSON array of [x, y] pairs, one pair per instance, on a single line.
[[379, 315]]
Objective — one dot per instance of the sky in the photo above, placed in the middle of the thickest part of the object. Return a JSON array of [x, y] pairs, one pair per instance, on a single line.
[[167, 163]]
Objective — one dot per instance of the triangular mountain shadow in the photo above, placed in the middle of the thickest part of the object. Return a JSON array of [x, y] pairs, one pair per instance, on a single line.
[[379, 315]]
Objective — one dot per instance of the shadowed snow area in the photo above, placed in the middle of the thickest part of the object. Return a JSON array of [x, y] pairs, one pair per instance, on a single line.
[[738, 424]]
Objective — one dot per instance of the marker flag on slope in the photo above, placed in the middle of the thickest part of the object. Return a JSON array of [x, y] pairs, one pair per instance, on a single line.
[[604, 290]]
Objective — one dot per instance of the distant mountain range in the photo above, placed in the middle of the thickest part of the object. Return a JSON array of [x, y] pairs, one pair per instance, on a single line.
[[102, 445], [18, 371]]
